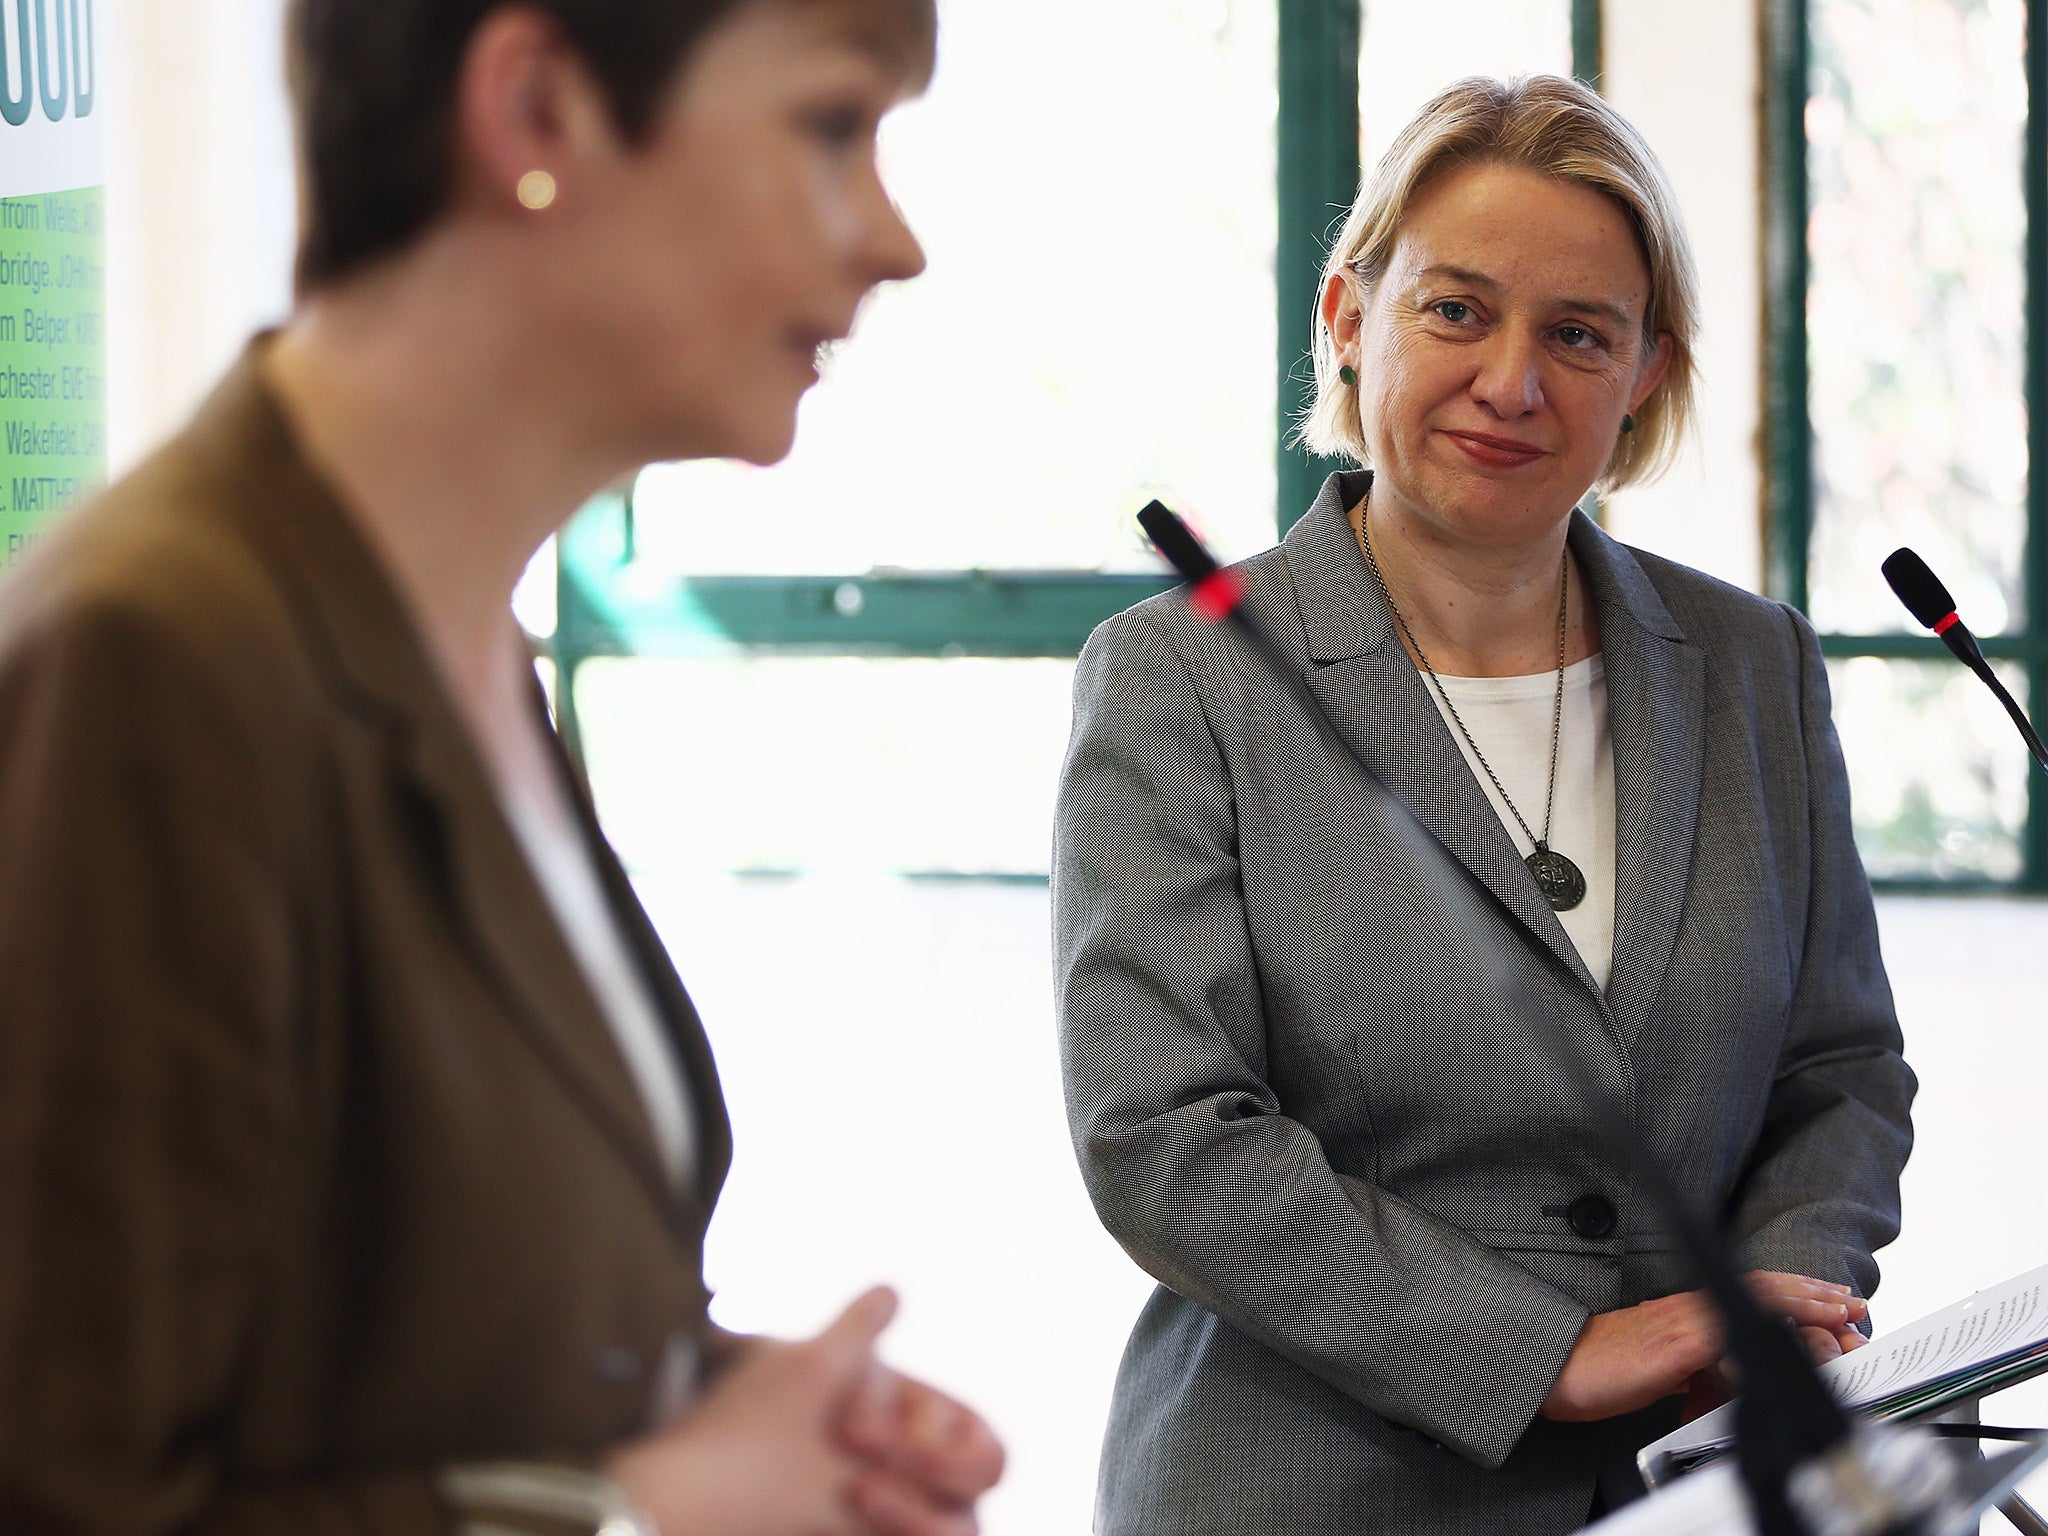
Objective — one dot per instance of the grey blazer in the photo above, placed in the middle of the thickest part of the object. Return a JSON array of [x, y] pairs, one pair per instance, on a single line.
[[1301, 1098]]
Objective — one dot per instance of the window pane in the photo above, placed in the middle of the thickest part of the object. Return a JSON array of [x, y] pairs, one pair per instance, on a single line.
[[784, 764], [1915, 310], [1937, 775], [1093, 184], [1414, 48]]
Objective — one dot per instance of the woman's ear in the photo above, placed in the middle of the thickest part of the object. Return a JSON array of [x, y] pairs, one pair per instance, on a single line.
[[524, 104], [1340, 310], [1651, 373]]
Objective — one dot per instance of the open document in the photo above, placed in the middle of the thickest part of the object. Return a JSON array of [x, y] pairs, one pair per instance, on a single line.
[[1991, 1339]]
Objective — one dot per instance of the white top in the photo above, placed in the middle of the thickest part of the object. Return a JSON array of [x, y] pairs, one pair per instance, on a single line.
[[1510, 719], [561, 861]]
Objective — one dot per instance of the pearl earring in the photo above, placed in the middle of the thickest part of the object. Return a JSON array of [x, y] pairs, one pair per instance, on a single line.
[[536, 190]]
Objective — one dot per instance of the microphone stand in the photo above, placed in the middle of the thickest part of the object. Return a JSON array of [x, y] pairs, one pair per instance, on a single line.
[[1801, 1458], [1928, 600], [1963, 646], [2035, 748], [1975, 660]]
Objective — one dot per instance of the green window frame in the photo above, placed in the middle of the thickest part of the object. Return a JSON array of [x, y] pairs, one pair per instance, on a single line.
[[1788, 434], [1001, 613]]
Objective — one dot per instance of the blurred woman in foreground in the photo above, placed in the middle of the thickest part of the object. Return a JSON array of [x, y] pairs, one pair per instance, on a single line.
[[357, 1141]]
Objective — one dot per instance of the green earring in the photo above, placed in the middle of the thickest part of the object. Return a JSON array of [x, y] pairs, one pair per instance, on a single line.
[[1628, 424], [1348, 374]]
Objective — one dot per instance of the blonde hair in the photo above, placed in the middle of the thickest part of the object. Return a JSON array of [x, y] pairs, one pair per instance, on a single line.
[[1559, 128]]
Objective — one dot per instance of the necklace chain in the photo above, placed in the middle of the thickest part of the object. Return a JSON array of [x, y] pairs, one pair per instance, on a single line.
[[1557, 702]]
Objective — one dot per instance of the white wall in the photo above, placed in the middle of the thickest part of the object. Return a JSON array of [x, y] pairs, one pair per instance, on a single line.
[[1687, 76], [200, 206]]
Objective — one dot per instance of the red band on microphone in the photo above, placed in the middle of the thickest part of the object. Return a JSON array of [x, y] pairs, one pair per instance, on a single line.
[[1216, 596], [1943, 626]]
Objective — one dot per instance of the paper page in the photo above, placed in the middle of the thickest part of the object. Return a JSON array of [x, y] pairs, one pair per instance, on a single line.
[[1976, 1330], [1980, 1328]]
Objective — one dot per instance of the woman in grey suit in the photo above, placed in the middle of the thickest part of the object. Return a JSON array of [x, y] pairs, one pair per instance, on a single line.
[[1405, 1286]]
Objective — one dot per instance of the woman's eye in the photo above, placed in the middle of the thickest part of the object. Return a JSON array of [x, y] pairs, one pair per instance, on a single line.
[[1454, 310], [1577, 337], [839, 126]]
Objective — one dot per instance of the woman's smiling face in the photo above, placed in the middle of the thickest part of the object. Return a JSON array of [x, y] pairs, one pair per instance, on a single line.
[[1499, 351]]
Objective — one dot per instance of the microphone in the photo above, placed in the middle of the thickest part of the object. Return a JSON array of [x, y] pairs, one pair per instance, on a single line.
[[1928, 601], [1801, 1459]]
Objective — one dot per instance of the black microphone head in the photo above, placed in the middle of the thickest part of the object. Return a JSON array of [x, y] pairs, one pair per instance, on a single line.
[[1918, 587], [1176, 541]]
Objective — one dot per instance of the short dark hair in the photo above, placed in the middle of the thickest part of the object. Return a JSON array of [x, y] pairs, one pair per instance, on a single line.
[[373, 98]]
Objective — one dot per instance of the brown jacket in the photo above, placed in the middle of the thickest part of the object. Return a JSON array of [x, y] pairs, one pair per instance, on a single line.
[[318, 1165]]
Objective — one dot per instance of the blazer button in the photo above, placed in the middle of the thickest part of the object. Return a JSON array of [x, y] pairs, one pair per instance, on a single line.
[[620, 1367], [1591, 1216]]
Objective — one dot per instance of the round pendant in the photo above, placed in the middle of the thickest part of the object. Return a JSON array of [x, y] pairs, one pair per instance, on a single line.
[[1558, 878]]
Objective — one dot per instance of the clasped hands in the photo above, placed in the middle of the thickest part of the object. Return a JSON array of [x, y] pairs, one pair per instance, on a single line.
[[814, 1438], [1631, 1358]]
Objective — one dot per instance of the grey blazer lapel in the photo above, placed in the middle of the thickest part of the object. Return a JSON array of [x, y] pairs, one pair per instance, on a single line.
[[1380, 705], [1656, 700]]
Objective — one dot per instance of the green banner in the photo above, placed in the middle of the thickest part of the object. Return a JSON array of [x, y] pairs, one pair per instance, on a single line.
[[53, 354], [53, 388]]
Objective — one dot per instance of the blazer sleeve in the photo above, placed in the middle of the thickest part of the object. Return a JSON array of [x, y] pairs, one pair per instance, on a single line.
[[1821, 1192], [1191, 1160], [146, 977]]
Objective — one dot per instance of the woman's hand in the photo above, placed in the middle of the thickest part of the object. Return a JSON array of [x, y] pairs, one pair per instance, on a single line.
[[770, 1450], [922, 1447], [1631, 1358], [1811, 1306]]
